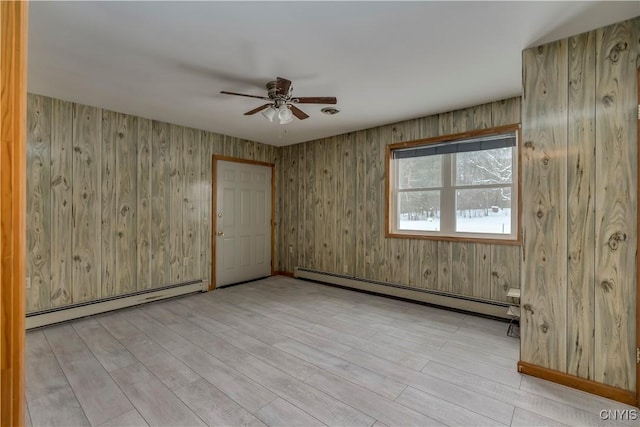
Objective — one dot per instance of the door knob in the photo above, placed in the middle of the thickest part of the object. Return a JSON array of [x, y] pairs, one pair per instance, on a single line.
[[220, 233]]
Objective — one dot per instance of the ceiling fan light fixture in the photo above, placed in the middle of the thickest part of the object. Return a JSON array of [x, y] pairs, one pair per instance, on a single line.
[[284, 114], [269, 113]]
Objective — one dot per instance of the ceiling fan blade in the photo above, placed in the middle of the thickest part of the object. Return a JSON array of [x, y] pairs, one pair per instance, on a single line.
[[298, 112], [257, 110], [316, 100], [283, 86], [242, 94]]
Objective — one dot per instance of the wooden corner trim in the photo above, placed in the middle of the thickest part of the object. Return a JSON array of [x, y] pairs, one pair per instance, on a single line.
[[614, 393], [283, 273]]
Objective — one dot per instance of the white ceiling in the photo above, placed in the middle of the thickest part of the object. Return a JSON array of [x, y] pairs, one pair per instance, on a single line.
[[384, 61]]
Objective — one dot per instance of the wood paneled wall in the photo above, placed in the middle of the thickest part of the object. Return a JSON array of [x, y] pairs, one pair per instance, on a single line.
[[117, 203], [580, 175], [332, 208]]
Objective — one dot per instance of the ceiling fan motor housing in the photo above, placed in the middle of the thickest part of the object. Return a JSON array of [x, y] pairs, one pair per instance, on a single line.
[[274, 93]]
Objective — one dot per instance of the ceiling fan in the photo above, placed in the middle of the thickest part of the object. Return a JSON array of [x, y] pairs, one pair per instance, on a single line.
[[282, 102]]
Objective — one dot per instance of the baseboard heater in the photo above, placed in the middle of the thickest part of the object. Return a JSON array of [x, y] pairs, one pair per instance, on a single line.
[[41, 318], [443, 299]]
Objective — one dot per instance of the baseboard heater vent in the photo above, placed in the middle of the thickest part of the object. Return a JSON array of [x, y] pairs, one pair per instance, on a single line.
[[443, 299], [41, 318]]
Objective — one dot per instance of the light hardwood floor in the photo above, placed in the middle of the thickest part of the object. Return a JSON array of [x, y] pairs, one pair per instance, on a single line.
[[283, 352]]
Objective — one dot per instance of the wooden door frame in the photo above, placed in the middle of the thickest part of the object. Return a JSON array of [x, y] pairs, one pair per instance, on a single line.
[[638, 242], [13, 127], [214, 203]]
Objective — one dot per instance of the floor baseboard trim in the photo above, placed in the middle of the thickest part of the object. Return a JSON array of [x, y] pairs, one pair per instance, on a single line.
[[490, 309], [614, 393], [42, 318]]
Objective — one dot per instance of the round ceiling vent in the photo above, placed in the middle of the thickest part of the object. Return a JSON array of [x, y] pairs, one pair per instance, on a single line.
[[330, 110]]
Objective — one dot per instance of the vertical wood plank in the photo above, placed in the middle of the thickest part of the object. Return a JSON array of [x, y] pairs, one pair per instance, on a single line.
[[429, 264], [38, 202], [481, 285], [461, 121], [228, 146], [61, 221], [126, 148], [160, 204], [580, 206], [616, 207], [294, 214], [191, 205], [374, 254], [276, 258], [86, 232], [319, 204], [285, 224], [176, 185], [362, 262], [506, 111], [338, 205], [347, 189], [444, 267], [108, 208], [544, 173], [301, 225], [143, 205], [329, 193], [482, 116], [310, 210], [505, 271], [463, 259]]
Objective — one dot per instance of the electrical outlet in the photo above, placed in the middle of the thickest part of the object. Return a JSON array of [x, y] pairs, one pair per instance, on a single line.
[[28, 282], [367, 259], [290, 249], [186, 261]]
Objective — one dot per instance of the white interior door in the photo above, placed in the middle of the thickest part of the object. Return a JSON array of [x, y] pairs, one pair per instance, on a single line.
[[243, 222]]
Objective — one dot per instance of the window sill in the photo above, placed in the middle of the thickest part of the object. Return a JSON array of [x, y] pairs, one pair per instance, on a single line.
[[462, 239]]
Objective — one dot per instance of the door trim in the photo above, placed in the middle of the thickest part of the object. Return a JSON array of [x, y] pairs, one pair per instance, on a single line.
[[14, 16], [638, 245], [214, 203]]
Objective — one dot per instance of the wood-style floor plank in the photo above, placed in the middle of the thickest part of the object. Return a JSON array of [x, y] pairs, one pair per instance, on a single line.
[[523, 418], [284, 414], [100, 397], [441, 410], [155, 402], [130, 419], [215, 407], [385, 410], [27, 417], [476, 402], [111, 353], [366, 378], [43, 374], [60, 408]]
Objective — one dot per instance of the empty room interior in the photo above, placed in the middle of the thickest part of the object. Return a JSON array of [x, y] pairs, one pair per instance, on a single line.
[[319, 213]]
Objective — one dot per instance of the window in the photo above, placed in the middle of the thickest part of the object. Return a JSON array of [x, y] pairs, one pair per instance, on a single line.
[[461, 186]]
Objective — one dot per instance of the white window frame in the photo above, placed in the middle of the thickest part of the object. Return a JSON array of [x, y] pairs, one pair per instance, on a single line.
[[448, 191]]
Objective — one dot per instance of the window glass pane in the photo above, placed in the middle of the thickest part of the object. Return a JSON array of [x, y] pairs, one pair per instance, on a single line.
[[420, 172], [484, 167], [419, 210], [484, 210]]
